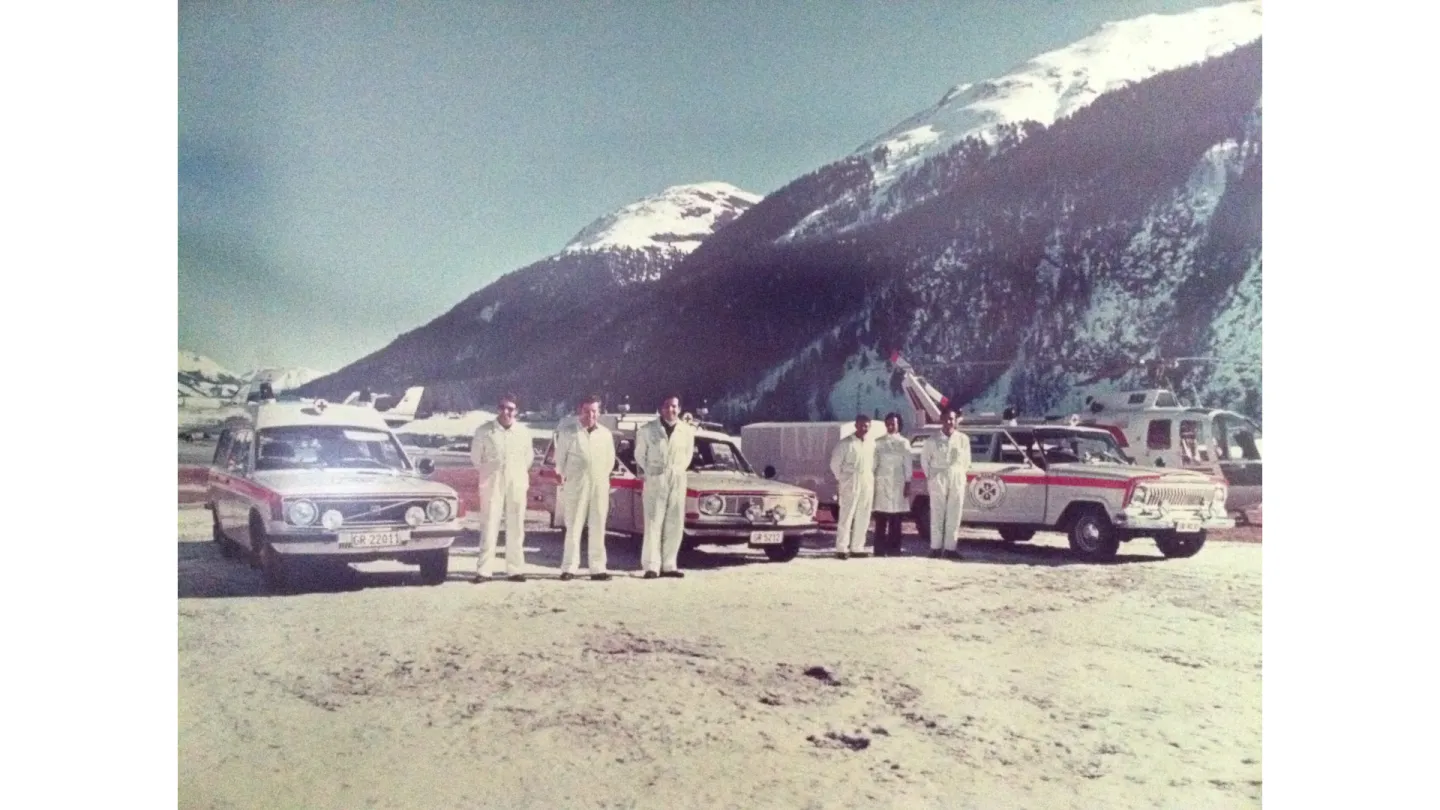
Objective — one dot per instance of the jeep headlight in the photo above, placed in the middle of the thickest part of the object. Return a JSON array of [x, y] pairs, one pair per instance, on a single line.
[[301, 513], [1217, 502], [438, 511], [711, 504], [1142, 494], [414, 516], [807, 507]]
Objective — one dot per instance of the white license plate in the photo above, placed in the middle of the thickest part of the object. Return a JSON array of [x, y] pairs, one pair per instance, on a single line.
[[766, 538], [1187, 526], [397, 537]]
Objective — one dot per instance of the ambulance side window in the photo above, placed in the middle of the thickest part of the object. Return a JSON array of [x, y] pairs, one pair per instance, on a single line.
[[239, 458], [549, 460], [1158, 436], [222, 449], [625, 454]]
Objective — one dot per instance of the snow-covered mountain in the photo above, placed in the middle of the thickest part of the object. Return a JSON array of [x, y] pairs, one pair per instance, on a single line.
[[283, 379], [1042, 90], [574, 295], [674, 221], [1026, 241], [201, 378]]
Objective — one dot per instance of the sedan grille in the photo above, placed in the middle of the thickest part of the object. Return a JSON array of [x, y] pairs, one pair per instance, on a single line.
[[371, 511]]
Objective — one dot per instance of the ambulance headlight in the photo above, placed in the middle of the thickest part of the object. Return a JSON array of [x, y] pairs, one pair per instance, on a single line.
[[301, 513], [807, 506], [332, 519], [711, 504], [753, 512], [778, 512], [414, 516], [438, 511]]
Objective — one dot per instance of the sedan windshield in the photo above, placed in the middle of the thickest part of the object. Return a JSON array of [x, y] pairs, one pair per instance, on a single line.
[[715, 455], [328, 446]]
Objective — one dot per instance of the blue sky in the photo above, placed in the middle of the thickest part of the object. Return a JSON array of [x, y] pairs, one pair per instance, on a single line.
[[348, 172]]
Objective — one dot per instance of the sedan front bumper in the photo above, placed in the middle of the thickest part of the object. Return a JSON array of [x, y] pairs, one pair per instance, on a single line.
[[327, 544]]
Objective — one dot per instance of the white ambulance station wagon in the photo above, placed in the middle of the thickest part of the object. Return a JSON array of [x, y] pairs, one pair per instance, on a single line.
[[304, 485]]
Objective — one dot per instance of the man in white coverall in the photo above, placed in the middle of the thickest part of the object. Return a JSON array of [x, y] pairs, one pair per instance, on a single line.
[[502, 453], [853, 463], [584, 458], [663, 450], [945, 460]]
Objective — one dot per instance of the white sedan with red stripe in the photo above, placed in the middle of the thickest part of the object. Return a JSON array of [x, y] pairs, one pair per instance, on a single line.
[[305, 484], [1077, 480], [726, 502]]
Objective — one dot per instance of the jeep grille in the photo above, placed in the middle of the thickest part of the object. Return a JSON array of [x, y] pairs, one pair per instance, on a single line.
[[1177, 495]]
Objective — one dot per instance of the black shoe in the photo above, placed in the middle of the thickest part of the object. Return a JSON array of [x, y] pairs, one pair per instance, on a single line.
[[673, 574], [954, 555], [566, 576], [516, 577], [935, 552], [651, 575], [842, 555], [479, 578], [600, 577]]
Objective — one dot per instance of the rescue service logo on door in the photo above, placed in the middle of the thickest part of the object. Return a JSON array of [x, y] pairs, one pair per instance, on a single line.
[[987, 490]]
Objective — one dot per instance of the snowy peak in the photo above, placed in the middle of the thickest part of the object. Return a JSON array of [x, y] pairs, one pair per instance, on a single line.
[[198, 365], [674, 221], [283, 379], [1056, 84]]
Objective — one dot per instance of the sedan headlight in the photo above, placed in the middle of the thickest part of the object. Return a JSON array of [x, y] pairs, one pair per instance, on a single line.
[[332, 519], [807, 506], [301, 513], [438, 511], [711, 504], [414, 516], [779, 512]]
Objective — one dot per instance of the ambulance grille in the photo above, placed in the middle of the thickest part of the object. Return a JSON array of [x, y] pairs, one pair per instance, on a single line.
[[1178, 494]]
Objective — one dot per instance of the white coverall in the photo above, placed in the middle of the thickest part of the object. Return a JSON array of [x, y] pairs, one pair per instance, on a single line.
[[945, 460], [503, 457], [584, 460], [664, 462], [853, 463], [894, 464]]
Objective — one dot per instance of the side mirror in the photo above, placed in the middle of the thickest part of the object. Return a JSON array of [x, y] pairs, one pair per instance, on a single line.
[[769, 471], [426, 466]]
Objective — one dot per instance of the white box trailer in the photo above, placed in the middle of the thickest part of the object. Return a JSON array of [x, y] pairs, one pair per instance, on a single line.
[[798, 453]]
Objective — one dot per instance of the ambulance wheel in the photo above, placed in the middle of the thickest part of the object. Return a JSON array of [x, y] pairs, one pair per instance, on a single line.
[[1176, 545], [1015, 534], [435, 566], [788, 550], [1092, 536], [227, 549]]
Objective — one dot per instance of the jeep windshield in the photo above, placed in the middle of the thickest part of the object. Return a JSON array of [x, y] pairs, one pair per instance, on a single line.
[[298, 447], [713, 455], [1065, 447]]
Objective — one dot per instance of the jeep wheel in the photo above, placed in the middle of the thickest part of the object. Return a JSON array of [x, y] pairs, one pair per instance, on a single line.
[[435, 566], [1176, 545], [788, 550], [1092, 536], [1015, 534]]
